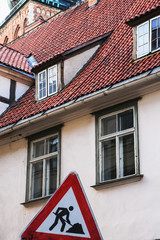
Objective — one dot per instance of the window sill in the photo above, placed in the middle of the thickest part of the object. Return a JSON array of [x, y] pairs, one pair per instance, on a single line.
[[35, 200], [137, 59], [117, 182]]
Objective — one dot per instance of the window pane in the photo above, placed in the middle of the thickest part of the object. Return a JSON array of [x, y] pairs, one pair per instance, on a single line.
[[154, 24], [154, 34], [143, 39], [36, 182], [145, 28], [125, 120], [108, 160], [145, 48], [126, 149], [158, 42], [38, 149], [154, 44], [140, 51], [42, 84], [140, 41], [52, 144], [52, 80], [51, 175], [108, 125], [140, 30]]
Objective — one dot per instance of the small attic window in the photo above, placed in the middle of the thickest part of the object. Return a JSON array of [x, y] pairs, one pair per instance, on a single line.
[[47, 82], [148, 37]]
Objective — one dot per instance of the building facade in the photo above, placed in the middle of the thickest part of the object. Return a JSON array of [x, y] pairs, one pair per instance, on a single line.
[[24, 16]]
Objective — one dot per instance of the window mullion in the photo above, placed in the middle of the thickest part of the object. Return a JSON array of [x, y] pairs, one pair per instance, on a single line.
[[30, 182], [100, 162], [117, 149], [117, 157], [44, 177]]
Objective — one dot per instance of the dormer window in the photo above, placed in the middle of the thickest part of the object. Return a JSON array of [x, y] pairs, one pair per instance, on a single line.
[[148, 37], [47, 82]]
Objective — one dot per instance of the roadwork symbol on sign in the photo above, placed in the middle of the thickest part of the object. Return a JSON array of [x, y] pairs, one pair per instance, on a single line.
[[66, 216]]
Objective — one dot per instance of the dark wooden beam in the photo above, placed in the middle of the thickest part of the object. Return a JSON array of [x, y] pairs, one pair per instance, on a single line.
[[12, 91], [4, 100]]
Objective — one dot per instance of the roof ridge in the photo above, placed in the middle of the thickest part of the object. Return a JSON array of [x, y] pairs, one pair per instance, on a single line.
[[6, 46]]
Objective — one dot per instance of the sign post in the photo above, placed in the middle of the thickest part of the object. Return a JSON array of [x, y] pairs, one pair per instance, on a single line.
[[66, 216]]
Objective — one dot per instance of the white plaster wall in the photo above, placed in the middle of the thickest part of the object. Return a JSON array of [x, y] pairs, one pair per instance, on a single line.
[[14, 216], [20, 89], [4, 87], [73, 64], [130, 211], [126, 212], [3, 107]]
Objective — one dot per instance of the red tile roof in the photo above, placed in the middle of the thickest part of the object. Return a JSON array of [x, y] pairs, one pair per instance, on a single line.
[[112, 63], [14, 59]]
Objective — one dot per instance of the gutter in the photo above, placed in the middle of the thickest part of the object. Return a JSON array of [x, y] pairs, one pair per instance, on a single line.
[[149, 75]]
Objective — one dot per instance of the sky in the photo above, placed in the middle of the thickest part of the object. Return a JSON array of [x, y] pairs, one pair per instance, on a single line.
[[4, 9]]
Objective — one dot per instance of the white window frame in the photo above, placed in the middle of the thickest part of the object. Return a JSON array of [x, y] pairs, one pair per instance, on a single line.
[[38, 84], [47, 82], [56, 80], [138, 55], [116, 136], [42, 159], [150, 36]]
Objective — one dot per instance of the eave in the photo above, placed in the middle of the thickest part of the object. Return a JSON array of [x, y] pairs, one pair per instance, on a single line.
[[143, 17], [98, 40], [17, 75], [135, 87]]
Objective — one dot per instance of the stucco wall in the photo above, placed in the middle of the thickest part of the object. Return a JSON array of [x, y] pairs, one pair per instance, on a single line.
[[20, 90], [5, 84], [5, 87], [73, 64], [126, 212]]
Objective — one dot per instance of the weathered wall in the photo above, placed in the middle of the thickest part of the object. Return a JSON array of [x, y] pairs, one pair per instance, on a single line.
[[126, 212], [5, 84], [27, 15], [73, 64]]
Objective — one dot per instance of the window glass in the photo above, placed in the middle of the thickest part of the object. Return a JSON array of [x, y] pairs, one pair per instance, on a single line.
[[47, 82], [117, 158], [125, 120], [108, 125], [38, 148], [155, 34], [51, 175], [43, 174], [108, 160], [52, 144], [36, 181], [52, 80], [126, 149], [42, 84], [143, 39]]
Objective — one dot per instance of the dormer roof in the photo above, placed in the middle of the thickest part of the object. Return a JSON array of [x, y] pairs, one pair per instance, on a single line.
[[12, 58]]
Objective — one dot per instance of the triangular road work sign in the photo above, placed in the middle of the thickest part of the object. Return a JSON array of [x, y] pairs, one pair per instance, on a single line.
[[66, 216]]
